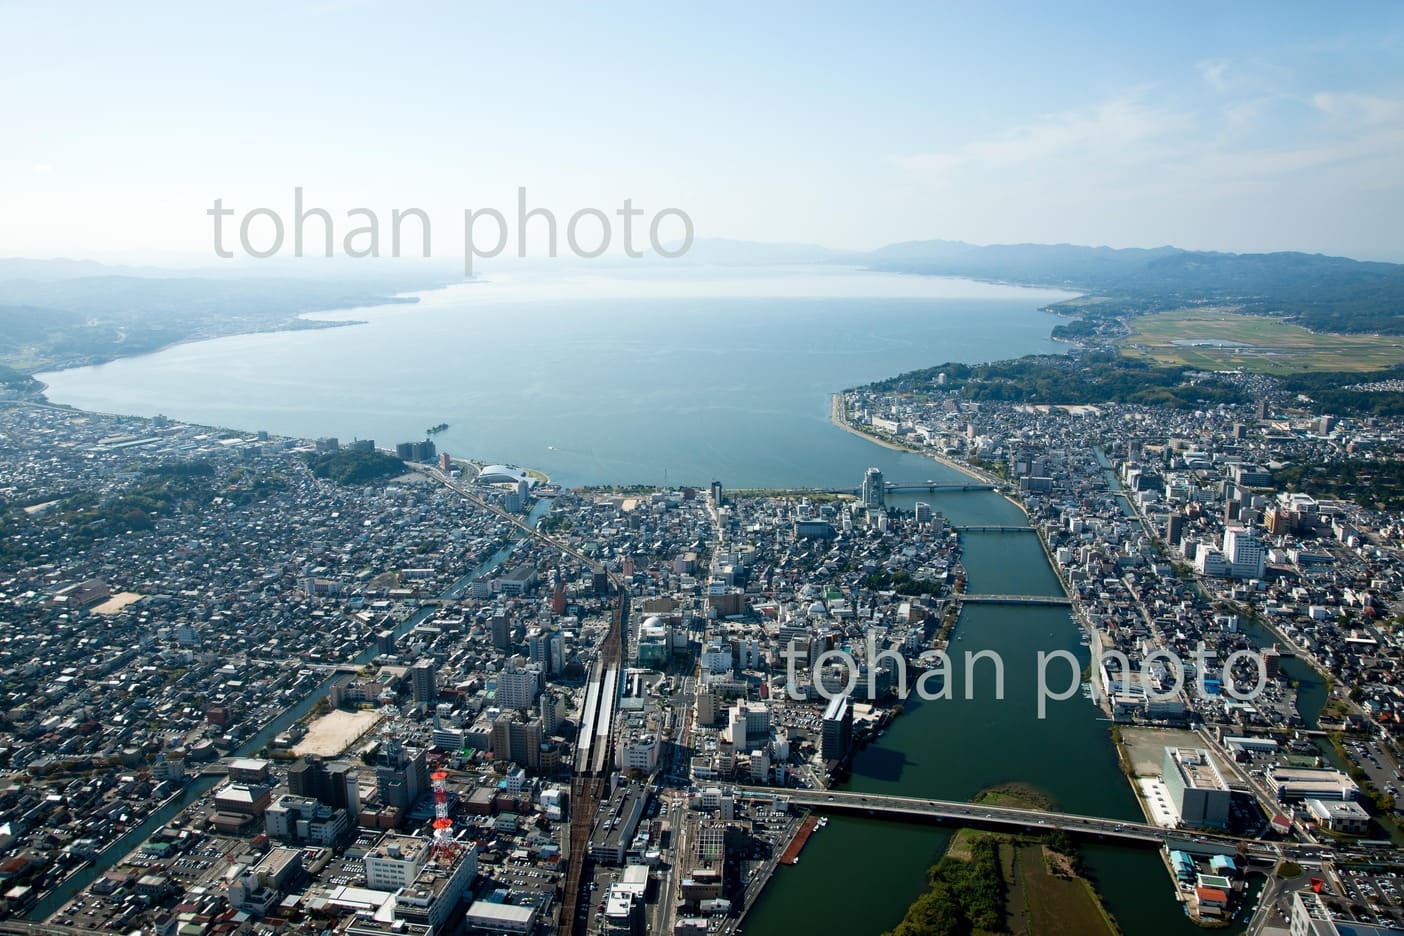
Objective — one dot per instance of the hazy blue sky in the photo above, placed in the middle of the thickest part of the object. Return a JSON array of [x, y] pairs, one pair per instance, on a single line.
[[1230, 126]]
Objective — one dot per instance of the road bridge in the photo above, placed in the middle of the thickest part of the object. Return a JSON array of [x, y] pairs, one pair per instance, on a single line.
[[972, 813], [1012, 818], [990, 528], [1048, 600]]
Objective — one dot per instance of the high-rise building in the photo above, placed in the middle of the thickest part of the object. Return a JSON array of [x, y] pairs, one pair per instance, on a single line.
[[335, 783], [737, 727], [1175, 529], [838, 728], [546, 647], [552, 711], [1243, 553], [706, 707], [517, 686], [385, 642], [518, 742], [874, 492], [400, 775], [416, 451], [501, 632], [308, 777], [1279, 521], [424, 686]]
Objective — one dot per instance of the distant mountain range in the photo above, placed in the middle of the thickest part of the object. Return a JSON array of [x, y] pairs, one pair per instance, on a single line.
[[1323, 293]]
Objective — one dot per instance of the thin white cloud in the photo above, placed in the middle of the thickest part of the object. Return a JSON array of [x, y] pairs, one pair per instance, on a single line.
[[1100, 131], [1359, 109], [1214, 72]]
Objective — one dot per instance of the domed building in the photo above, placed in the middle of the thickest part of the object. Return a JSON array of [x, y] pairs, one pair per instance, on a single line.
[[503, 474]]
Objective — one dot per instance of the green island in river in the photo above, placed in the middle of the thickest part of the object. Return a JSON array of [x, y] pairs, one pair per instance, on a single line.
[[994, 883]]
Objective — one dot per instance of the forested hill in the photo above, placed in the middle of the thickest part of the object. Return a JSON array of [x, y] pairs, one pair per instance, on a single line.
[[1322, 293]]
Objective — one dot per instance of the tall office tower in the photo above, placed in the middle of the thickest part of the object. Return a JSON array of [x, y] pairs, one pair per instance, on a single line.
[[501, 632], [1175, 529], [424, 684], [546, 647], [874, 490], [838, 728]]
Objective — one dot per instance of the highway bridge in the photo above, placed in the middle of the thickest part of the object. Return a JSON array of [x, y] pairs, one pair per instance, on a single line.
[[1012, 818], [1015, 819], [987, 528], [892, 487], [1047, 600], [904, 807]]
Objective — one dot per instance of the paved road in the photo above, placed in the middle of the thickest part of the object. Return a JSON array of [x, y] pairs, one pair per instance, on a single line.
[[978, 814]]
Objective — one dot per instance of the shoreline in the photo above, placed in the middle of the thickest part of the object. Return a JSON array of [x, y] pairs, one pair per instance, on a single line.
[[288, 327], [839, 417]]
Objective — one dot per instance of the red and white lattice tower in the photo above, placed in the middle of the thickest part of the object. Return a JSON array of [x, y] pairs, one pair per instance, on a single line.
[[444, 846]]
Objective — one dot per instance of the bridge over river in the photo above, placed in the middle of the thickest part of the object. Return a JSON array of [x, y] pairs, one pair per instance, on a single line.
[[1047, 600], [1015, 819]]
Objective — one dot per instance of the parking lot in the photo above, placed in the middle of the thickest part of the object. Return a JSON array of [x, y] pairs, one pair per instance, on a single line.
[[1373, 895]]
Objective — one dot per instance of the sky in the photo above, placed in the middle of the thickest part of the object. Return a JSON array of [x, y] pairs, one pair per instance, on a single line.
[[1241, 127]]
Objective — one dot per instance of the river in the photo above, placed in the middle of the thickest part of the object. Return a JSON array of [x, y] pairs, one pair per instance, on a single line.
[[727, 376], [952, 749]]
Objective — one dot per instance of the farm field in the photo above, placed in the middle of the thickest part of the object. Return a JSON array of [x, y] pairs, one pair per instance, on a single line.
[[1221, 339]]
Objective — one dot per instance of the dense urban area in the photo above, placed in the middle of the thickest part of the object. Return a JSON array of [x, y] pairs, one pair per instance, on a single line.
[[256, 684]]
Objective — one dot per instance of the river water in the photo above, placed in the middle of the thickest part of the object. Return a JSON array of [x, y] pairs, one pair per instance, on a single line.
[[952, 749], [725, 375]]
